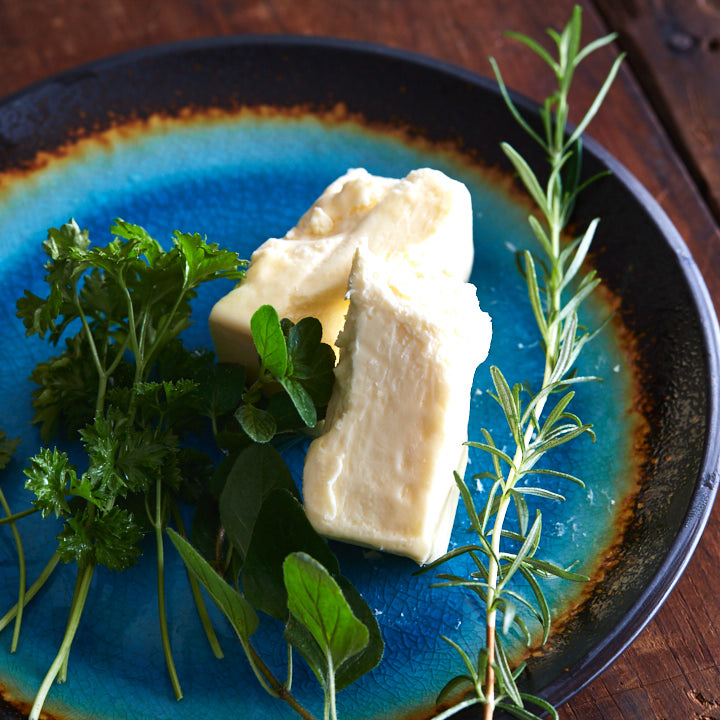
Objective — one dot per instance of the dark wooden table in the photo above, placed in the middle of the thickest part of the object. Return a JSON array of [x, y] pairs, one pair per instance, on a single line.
[[662, 119]]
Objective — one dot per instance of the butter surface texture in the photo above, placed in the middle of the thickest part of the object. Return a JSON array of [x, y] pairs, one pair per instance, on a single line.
[[381, 475], [424, 218]]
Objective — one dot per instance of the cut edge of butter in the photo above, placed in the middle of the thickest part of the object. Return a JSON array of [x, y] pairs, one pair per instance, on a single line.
[[424, 220], [381, 475]]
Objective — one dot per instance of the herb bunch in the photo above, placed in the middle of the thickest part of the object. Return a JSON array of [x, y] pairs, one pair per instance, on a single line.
[[538, 420], [131, 299], [262, 541], [131, 392]]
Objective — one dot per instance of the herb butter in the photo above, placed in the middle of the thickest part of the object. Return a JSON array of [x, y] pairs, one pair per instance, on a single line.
[[424, 218], [381, 475]]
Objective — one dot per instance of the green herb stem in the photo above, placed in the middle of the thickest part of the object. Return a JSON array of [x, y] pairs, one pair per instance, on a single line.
[[330, 690], [197, 594], [271, 683], [62, 673], [21, 568], [158, 523], [31, 591], [10, 519], [76, 609]]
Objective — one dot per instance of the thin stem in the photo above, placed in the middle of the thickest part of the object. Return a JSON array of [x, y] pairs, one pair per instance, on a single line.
[[161, 592], [31, 591], [197, 594], [21, 578], [331, 686], [76, 610], [10, 519], [62, 674], [554, 301], [271, 683], [102, 376], [288, 682]]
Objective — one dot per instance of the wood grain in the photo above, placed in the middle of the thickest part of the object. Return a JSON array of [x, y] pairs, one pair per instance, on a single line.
[[672, 671], [674, 46]]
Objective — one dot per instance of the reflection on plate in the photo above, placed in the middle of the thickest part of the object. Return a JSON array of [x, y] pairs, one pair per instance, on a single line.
[[235, 139]]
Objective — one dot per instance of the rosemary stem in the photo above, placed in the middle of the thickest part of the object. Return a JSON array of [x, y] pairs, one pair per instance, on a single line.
[[493, 569]]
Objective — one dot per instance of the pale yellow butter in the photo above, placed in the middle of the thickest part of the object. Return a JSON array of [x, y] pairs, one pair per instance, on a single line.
[[425, 218], [381, 475]]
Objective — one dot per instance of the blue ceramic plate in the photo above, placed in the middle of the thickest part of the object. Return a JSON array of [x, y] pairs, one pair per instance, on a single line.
[[235, 139]]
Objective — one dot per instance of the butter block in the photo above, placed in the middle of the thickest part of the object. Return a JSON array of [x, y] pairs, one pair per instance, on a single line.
[[381, 475], [425, 218]]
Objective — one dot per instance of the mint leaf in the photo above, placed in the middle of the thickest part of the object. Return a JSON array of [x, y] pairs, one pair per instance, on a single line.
[[257, 471], [316, 601], [281, 528], [354, 667], [258, 424], [301, 400], [269, 340], [312, 361], [303, 339], [368, 658], [234, 606]]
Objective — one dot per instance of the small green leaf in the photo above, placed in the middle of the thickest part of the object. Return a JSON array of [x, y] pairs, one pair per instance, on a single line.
[[7, 448], [301, 400], [527, 176], [281, 528], [456, 688], [269, 340], [316, 601], [234, 606], [368, 658], [257, 471], [257, 423]]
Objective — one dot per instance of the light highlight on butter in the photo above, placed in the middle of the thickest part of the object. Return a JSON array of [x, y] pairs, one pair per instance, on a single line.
[[425, 219]]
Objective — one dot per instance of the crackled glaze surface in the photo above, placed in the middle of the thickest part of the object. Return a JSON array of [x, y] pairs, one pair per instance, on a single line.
[[239, 180]]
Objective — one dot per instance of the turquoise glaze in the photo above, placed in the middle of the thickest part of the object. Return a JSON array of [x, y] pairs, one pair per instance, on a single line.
[[239, 181]]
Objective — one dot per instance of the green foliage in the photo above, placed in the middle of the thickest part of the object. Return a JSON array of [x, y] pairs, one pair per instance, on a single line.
[[7, 448], [281, 528], [236, 609], [257, 471], [536, 421], [294, 356], [316, 602], [130, 300]]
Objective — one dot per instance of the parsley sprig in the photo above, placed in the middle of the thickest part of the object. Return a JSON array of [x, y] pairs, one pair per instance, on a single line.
[[129, 390], [500, 554], [131, 299]]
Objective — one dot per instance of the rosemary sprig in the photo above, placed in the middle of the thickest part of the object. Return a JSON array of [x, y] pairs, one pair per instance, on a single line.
[[490, 680]]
